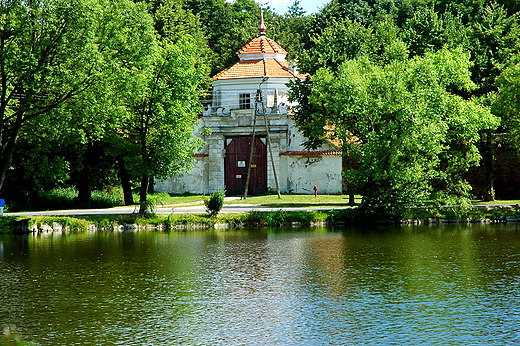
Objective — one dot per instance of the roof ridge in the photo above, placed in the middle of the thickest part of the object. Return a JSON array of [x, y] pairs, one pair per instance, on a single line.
[[257, 68], [286, 68], [262, 44]]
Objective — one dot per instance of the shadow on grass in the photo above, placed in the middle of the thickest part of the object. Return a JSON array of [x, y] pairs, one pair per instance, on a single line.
[[306, 204]]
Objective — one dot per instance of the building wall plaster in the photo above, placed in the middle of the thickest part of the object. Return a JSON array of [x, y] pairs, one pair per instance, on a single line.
[[224, 119]]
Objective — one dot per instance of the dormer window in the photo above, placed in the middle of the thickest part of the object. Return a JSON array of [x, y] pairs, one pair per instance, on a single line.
[[244, 101]]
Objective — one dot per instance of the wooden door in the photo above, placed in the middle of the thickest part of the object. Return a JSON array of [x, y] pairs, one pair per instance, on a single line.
[[236, 164]]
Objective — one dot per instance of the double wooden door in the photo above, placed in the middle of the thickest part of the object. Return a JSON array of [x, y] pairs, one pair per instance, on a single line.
[[236, 164]]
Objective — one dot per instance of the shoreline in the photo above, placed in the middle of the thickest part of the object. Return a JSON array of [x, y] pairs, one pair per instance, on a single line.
[[274, 218]]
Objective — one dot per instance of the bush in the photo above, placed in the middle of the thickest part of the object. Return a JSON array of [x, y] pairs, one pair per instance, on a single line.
[[13, 339], [65, 198], [107, 199], [147, 209], [277, 218], [55, 199], [215, 202]]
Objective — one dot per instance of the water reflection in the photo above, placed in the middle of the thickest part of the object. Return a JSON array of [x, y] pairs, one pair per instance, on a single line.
[[446, 285]]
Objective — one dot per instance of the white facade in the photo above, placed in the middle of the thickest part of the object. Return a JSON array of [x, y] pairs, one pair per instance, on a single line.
[[234, 114]]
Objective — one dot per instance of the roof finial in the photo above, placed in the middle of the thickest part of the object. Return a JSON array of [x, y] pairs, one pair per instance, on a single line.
[[261, 27]]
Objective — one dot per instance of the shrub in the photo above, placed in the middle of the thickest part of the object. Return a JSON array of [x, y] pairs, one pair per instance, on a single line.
[[59, 198], [276, 218], [107, 199], [147, 209], [254, 219], [215, 202], [65, 198]]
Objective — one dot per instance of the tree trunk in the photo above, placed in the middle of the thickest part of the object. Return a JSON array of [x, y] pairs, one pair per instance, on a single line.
[[347, 165], [125, 182], [351, 194], [6, 155], [143, 192], [85, 186], [86, 177], [151, 185]]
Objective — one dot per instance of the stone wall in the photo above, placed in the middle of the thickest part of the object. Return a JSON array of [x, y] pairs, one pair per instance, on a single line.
[[191, 181], [506, 171], [301, 172]]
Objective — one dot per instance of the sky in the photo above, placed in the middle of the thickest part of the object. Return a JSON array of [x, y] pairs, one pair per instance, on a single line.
[[281, 6]]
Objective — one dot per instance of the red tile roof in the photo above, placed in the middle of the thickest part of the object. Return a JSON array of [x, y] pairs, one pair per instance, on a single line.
[[311, 153], [257, 68], [260, 45], [266, 59]]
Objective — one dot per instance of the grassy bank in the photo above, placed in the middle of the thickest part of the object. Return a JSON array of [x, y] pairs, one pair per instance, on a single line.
[[278, 218], [500, 211], [171, 221]]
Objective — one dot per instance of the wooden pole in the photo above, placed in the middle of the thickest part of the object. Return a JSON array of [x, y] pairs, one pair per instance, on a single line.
[[258, 99], [251, 150], [270, 146]]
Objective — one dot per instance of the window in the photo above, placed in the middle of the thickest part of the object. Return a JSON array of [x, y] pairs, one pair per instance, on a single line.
[[217, 98], [244, 101]]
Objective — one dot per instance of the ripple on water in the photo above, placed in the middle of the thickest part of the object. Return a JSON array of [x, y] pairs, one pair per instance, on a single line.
[[304, 288]]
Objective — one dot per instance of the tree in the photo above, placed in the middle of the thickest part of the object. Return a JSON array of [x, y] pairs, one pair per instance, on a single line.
[[291, 30], [164, 112], [345, 40], [296, 9], [429, 31], [227, 26], [507, 102], [410, 136], [495, 38], [125, 37], [48, 55]]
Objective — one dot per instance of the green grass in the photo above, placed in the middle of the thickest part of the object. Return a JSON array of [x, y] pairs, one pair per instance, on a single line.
[[267, 200], [297, 201], [172, 221], [510, 201], [163, 198]]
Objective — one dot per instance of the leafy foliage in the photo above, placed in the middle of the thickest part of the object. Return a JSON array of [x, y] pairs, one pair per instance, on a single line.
[[89, 88], [65, 198], [215, 202], [507, 102], [411, 137]]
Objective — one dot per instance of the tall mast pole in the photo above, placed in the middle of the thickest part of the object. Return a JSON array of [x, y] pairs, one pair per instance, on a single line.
[[259, 99], [253, 142], [270, 145]]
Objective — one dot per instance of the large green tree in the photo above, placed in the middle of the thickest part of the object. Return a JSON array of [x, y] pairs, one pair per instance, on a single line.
[[48, 55], [163, 114], [78, 136], [507, 102], [99, 125], [345, 40], [126, 39], [410, 136]]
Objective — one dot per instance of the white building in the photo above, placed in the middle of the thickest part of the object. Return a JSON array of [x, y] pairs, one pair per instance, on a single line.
[[245, 96]]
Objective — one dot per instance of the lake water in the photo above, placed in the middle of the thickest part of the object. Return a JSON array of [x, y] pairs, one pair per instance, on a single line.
[[451, 285]]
